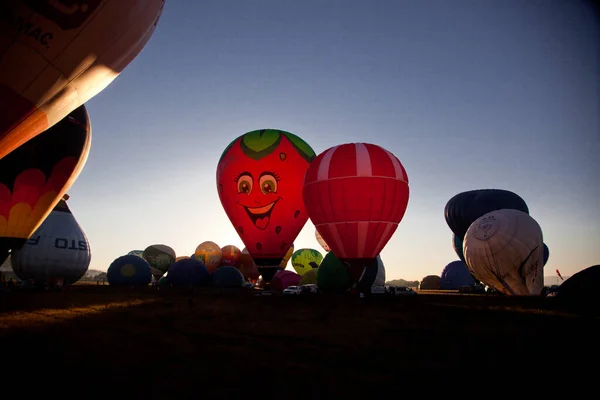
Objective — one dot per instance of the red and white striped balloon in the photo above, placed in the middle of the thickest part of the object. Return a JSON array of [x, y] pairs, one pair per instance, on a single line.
[[356, 194]]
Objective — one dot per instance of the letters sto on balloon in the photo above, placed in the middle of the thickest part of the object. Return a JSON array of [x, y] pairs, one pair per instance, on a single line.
[[259, 181]]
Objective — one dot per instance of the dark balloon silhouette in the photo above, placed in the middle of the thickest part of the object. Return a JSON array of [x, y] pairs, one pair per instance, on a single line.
[[464, 208], [129, 270]]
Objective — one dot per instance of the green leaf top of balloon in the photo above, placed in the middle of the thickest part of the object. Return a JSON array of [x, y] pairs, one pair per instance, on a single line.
[[260, 143]]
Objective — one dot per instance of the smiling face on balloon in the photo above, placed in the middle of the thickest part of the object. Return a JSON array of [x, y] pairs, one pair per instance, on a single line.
[[259, 181]]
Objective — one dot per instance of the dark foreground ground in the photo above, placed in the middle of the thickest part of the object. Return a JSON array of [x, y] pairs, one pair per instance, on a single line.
[[94, 340]]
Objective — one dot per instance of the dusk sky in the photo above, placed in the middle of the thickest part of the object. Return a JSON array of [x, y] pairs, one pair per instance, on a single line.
[[468, 94]]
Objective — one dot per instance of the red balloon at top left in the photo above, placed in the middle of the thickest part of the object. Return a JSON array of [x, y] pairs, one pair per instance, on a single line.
[[55, 55]]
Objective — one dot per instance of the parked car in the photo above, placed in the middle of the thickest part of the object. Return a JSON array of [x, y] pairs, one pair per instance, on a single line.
[[292, 290], [401, 291], [378, 290], [309, 288]]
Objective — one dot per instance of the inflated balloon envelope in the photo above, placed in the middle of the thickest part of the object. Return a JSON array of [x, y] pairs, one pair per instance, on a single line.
[[504, 250], [259, 181], [55, 55], [34, 177], [57, 251], [356, 194]]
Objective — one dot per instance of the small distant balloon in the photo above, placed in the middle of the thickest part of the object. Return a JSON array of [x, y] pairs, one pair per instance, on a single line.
[[231, 256], [304, 260], [160, 257], [129, 270], [210, 254]]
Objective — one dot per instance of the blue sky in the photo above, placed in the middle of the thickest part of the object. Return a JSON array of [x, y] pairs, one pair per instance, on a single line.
[[467, 94]]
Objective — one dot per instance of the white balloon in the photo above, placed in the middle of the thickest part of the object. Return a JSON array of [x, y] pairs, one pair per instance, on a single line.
[[504, 249], [57, 251], [380, 278]]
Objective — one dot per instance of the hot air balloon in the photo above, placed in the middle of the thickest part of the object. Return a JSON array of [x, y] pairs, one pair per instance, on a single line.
[[139, 253], [160, 257], [304, 260], [546, 253], [181, 258], [247, 266], [457, 245], [286, 257], [259, 181], [430, 282], [333, 275], [356, 195], [58, 252], [283, 279], [321, 241], [227, 276], [231, 255], [34, 177], [210, 254], [188, 272], [373, 276], [465, 207], [504, 250], [310, 277], [455, 275], [56, 55], [129, 270]]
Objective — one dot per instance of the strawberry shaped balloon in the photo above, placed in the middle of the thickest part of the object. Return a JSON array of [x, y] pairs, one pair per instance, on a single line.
[[259, 181]]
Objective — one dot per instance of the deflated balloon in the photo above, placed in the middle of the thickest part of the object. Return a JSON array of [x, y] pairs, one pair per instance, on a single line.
[[57, 54], [504, 250], [464, 208], [34, 177], [58, 251], [304, 260], [259, 181]]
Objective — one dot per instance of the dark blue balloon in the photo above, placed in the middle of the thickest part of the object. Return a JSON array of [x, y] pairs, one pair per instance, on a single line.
[[464, 208], [227, 276], [455, 275], [546, 253], [129, 270], [457, 244], [188, 272]]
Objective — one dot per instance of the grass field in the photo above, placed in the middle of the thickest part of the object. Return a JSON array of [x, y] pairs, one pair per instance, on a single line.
[[214, 344]]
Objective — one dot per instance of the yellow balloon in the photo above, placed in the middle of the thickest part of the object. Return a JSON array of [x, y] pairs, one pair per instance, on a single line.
[[287, 257]]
